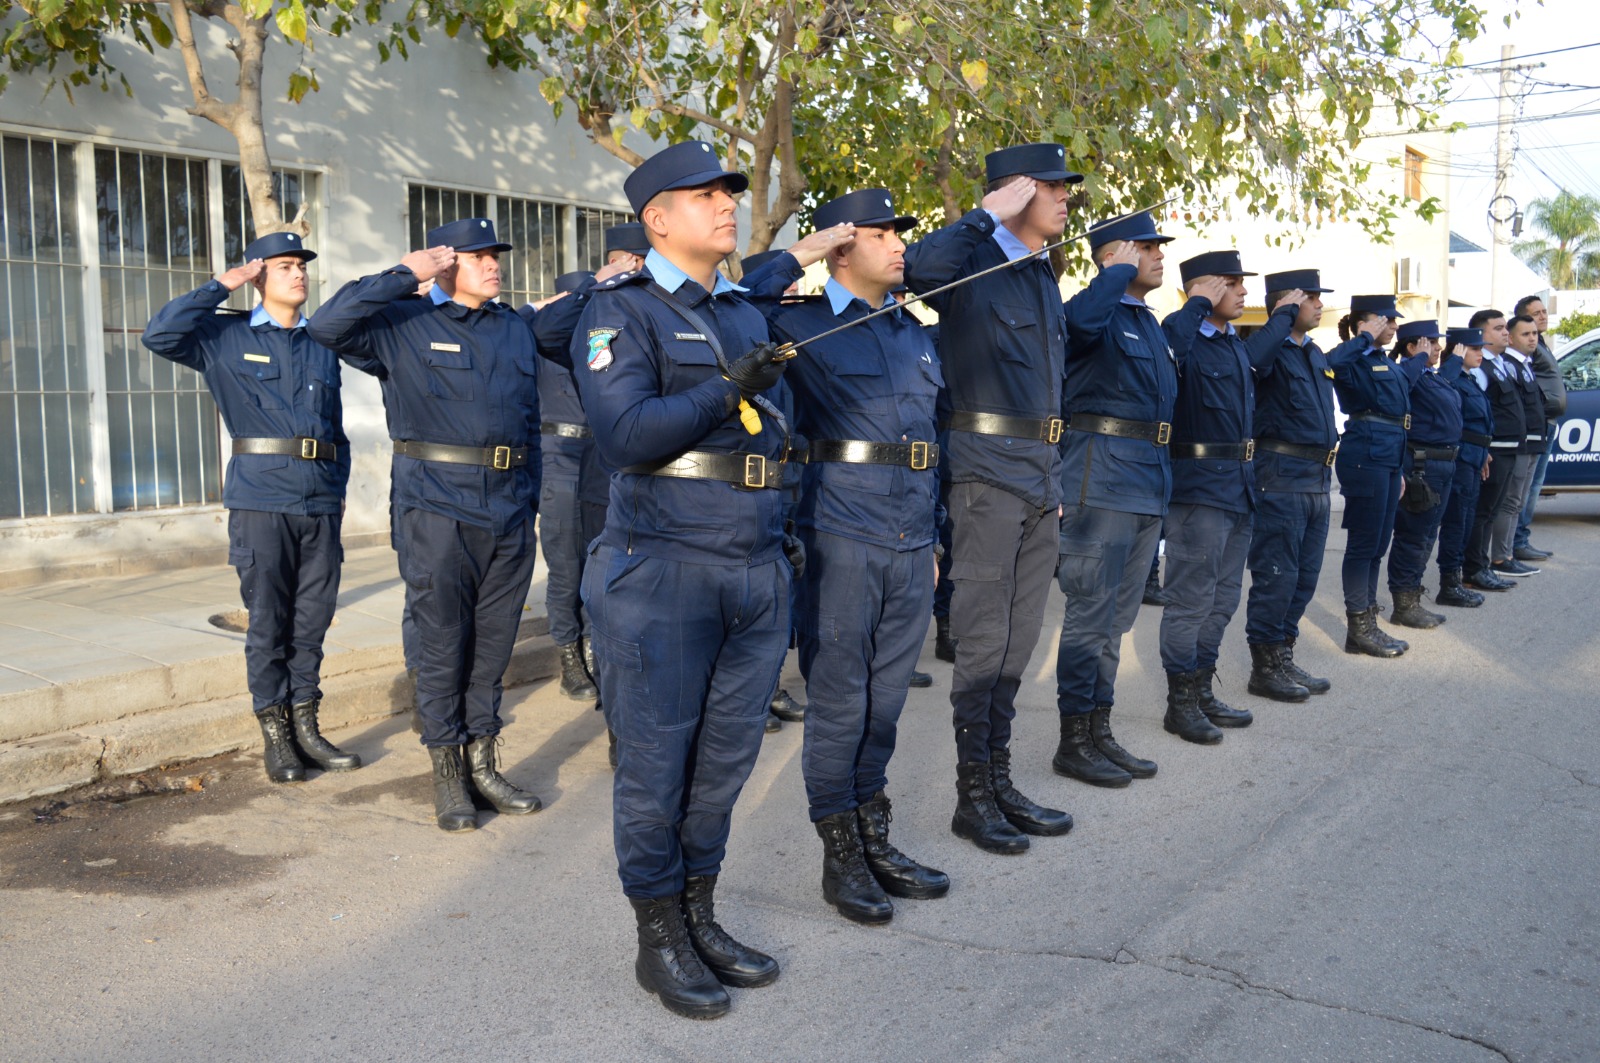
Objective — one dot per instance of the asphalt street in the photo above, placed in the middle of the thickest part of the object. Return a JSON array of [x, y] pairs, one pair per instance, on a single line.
[[1403, 869]]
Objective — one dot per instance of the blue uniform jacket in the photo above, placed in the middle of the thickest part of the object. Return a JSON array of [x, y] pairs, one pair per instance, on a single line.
[[269, 382], [1002, 345], [567, 460], [653, 389], [773, 277], [1118, 365], [1366, 381], [880, 382], [1435, 405], [1294, 403], [1476, 414], [458, 376]]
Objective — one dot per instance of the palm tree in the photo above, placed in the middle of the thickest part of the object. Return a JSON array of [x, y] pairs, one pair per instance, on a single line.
[[1571, 257]]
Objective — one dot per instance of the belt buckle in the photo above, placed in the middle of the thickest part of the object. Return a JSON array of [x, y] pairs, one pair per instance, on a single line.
[[919, 456], [755, 470], [308, 449], [1249, 450], [1163, 433], [1053, 430], [1328, 461], [1407, 425], [502, 458]]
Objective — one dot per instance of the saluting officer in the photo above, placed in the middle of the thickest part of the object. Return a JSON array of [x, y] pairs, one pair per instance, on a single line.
[[626, 245], [1464, 355], [1002, 340], [1213, 497], [1432, 442], [465, 423], [1116, 479], [1296, 439], [688, 586], [278, 392]]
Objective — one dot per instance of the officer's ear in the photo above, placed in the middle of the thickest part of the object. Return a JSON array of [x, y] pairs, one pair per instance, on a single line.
[[654, 215]]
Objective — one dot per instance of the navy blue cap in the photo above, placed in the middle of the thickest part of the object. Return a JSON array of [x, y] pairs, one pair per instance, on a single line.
[[1212, 264], [278, 245], [466, 234], [760, 258], [1043, 162], [869, 206], [1472, 337], [1140, 227], [571, 282], [629, 237], [688, 165], [1416, 330], [1307, 280], [1374, 304]]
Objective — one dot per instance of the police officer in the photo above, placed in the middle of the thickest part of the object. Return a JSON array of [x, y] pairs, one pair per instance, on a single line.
[[1464, 354], [1296, 439], [1432, 443], [1002, 340], [626, 245], [688, 586], [465, 423], [1116, 479], [278, 392], [1502, 383], [1208, 524]]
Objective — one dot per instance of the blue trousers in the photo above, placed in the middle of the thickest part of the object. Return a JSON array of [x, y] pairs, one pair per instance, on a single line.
[[944, 589], [288, 569], [1455, 526], [1519, 541], [1206, 551], [1414, 533], [862, 614], [567, 525], [467, 588], [689, 656], [1102, 568], [1286, 546], [1371, 496]]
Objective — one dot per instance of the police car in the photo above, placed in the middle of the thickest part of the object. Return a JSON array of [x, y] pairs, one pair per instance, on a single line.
[[1575, 461]]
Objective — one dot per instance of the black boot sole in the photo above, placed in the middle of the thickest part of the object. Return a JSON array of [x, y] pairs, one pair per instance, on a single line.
[[1271, 695], [329, 765], [458, 828], [1107, 783], [1418, 625], [743, 981], [714, 1010], [1006, 849], [1197, 739], [855, 915], [579, 695], [1229, 721], [1383, 652], [1036, 829], [287, 777], [1142, 773], [911, 893]]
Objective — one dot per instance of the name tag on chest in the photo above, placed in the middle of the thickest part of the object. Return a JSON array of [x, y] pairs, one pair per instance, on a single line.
[[454, 348], [701, 336], [1377, 369], [257, 358]]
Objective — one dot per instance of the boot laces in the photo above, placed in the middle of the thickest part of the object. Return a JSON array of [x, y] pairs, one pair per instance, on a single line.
[[684, 960]]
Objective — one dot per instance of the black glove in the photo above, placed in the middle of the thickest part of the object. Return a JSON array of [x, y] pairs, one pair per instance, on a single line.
[[796, 553], [758, 370]]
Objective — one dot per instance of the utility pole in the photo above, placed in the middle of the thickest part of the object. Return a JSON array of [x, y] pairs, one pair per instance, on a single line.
[[1501, 209]]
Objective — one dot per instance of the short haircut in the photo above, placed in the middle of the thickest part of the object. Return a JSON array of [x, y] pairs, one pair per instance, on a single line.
[[1000, 182], [1526, 301], [1520, 319], [1274, 297], [1481, 318]]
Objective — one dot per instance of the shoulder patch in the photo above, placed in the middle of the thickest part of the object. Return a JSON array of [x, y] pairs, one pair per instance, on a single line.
[[600, 356]]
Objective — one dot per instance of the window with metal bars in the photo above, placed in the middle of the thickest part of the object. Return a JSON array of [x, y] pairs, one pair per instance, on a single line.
[[591, 231], [535, 229], [294, 189]]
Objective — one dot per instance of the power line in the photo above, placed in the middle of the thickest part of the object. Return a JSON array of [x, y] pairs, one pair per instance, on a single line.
[[1530, 55]]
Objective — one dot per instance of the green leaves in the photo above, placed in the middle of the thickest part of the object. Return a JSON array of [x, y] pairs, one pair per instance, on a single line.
[[291, 20]]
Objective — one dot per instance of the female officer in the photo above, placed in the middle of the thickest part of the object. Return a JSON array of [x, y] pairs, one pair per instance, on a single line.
[[1430, 457], [1373, 393]]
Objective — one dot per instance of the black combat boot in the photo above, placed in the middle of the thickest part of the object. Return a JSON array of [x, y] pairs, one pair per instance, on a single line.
[[1028, 816], [1184, 717], [1383, 636], [920, 679], [1269, 678], [282, 759], [668, 965], [1078, 757], [452, 805], [1153, 594], [897, 873], [1409, 612], [1107, 744], [978, 819], [847, 883], [786, 708], [1361, 636], [495, 789], [315, 748], [575, 681], [1218, 711], [1453, 592], [416, 702], [1293, 670], [944, 647], [732, 963]]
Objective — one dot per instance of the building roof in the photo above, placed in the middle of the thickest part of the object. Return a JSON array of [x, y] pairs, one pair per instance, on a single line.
[[1460, 244]]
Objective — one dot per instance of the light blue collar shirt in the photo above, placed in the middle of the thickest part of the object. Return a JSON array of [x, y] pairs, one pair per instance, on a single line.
[[1009, 241], [1208, 330], [259, 317], [840, 297], [672, 278]]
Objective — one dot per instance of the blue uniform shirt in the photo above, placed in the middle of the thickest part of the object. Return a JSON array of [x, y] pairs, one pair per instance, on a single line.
[[653, 389], [1366, 381], [880, 382], [1476, 414], [269, 382], [1118, 365], [1294, 404], [457, 376], [1435, 405], [1002, 347], [566, 459], [1216, 404]]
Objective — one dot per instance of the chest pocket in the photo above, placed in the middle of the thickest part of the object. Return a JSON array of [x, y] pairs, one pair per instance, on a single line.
[[263, 382], [1136, 363], [688, 362], [1217, 389], [450, 375], [325, 380], [861, 384], [1017, 328]]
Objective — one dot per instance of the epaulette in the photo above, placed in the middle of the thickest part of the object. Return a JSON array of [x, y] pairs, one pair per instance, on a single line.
[[619, 280]]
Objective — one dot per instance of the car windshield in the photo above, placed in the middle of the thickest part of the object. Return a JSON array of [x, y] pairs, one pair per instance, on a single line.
[[1580, 367]]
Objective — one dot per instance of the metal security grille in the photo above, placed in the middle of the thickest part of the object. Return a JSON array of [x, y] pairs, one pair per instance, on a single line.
[[592, 225], [46, 461], [153, 244], [538, 248], [295, 189], [428, 207]]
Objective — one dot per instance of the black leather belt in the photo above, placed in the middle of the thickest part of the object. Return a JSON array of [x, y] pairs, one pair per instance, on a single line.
[[1298, 450], [1383, 418], [1477, 439], [994, 424], [565, 430], [917, 456], [1157, 432], [1434, 453], [501, 458], [743, 470], [302, 447], [1245, 451]]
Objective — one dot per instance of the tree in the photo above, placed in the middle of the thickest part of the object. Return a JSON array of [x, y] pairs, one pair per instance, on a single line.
[[1574, 325], [1572, 222]]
